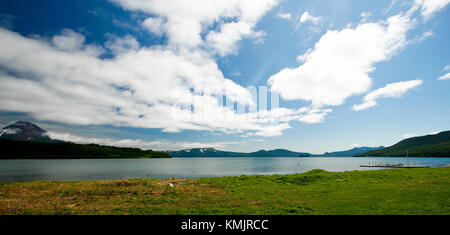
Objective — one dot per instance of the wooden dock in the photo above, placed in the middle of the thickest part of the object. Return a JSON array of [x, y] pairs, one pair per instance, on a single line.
[[392, 165], [388, 166]]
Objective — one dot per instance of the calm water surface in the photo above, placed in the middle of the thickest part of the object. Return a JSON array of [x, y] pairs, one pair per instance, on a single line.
[[110, 169]]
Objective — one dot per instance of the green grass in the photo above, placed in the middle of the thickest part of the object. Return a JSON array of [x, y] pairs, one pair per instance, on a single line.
[[398, 191]]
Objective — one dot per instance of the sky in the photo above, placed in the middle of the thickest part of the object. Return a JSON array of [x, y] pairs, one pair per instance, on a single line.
[[238, 75]]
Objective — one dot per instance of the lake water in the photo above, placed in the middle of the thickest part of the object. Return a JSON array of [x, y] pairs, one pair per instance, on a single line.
[[110, 169]]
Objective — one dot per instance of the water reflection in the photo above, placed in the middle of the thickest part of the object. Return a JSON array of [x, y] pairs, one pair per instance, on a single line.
[[100, 169]]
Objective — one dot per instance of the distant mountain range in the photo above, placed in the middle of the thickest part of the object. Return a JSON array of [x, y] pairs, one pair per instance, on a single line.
[[27, 140], [211, 152], [351, 152], [424, 146]]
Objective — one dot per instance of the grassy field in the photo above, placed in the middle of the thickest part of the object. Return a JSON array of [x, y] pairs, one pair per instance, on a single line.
[[400, 191]]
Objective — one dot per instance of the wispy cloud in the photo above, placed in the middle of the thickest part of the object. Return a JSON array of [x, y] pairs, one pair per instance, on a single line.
[[307, 17], [430, 7], [286, 16], [391, 90], [365, 16], [444, 77]]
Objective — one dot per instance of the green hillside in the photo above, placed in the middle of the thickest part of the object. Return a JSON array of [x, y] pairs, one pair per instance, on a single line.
[[11, 149], [424, 146]]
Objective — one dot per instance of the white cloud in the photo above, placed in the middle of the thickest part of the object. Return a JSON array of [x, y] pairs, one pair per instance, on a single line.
[[122, 45], [339, 64], [426, 35], [430, 7], [158, 145], [314, 116], [68, 40], [144, 88], [153, 25], [386, 10], [225, 41], [391, 90], [365, 16], [139, 87], [306, 17], [286, 16], [184, 21], [444, 77]]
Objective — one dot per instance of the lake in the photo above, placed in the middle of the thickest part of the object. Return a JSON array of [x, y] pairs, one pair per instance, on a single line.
[[111, 169]]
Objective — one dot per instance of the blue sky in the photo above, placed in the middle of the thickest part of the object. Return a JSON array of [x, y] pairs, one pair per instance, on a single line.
[[349, 73]]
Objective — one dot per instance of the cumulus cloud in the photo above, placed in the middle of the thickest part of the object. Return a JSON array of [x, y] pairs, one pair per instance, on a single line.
[[68, 40], [153, 25], [120, 45], [391, 90], [225, 41], [184, 21], [306, 17], [148, 87], [171, 87], [340, 63], [285, 16], [430, 7]]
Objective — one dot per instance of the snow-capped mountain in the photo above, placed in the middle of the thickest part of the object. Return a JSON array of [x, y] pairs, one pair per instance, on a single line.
[[24, 131]]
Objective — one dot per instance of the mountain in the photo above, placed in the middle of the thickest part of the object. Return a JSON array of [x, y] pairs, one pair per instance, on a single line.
[[278, 153], [24, 131], [424, 146], [24, 140], [203, 152], [211, 152], [351, 152]]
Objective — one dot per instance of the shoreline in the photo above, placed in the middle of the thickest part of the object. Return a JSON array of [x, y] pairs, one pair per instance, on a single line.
[[216, 177], [317, 192]]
